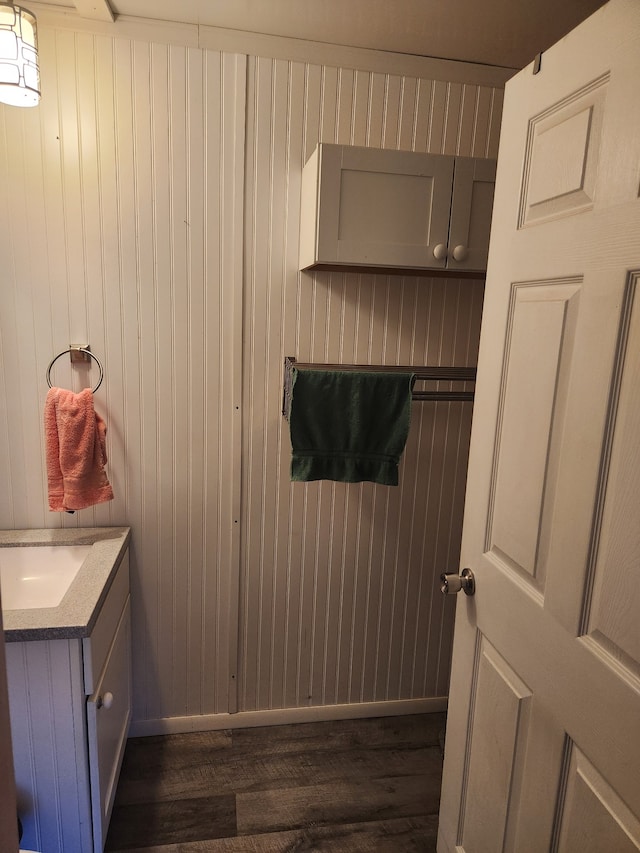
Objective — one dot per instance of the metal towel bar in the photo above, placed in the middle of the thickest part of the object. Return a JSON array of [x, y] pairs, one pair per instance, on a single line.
[[422, 374]]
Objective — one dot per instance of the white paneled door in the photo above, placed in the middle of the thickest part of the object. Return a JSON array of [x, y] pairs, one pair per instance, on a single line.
[[543, 737]]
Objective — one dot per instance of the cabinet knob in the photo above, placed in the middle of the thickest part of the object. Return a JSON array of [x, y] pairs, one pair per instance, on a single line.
[[460, 253], [440, 252], [105, 701]]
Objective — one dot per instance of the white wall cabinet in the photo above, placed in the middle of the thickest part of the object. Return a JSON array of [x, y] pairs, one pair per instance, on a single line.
[[400, 211], [70, 704]]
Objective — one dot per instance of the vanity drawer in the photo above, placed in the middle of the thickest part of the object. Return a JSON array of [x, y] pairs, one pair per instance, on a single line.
[[95, 648]]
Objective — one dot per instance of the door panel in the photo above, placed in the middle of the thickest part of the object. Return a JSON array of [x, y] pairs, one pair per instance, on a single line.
[[498, 733], [612, 612], [592, 818], [541, 326], [542, 751], [562, 155]]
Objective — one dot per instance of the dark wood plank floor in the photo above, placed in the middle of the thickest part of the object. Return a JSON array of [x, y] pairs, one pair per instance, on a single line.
[[351, 786]]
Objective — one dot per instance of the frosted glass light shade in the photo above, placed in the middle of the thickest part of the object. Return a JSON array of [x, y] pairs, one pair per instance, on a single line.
[[19, 73]]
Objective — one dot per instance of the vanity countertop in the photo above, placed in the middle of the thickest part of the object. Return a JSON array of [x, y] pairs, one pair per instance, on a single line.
[[76, 614]]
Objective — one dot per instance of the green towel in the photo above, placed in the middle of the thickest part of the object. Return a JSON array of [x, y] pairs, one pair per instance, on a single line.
[[349, 426]]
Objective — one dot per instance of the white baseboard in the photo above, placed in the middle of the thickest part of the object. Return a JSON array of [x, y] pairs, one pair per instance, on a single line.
[[282, 716]]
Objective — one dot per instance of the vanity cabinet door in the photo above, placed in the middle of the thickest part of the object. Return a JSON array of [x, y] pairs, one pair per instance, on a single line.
[[47, 707], [108, 717]]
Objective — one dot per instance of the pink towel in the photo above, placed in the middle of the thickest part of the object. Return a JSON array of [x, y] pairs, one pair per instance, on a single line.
[[76, 451]]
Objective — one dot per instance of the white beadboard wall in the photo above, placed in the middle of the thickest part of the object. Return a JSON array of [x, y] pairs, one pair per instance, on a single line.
[[150, 207]]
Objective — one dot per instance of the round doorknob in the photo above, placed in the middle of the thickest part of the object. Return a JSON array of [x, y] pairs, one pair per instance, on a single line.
[[440, 252], [465, 581], [105, 701], [460, 253]]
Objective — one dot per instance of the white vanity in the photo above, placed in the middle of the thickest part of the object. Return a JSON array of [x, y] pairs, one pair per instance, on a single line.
[[69, 674]]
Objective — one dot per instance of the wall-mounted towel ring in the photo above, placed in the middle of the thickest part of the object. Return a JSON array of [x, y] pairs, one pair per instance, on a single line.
[[85, 352]]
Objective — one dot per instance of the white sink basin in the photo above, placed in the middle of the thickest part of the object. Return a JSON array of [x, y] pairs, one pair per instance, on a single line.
[[38, 576]]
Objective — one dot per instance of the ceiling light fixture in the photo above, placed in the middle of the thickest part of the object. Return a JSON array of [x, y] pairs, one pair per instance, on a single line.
[[19, 74]]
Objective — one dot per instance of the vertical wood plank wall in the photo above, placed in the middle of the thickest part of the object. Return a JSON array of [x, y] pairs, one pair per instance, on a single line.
[[150, 207], [340, 600]]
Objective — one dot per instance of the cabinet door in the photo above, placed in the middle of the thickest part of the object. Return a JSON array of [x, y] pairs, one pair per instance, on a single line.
[[108, 718], [383, 208], [46, 702], [471, 208]]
